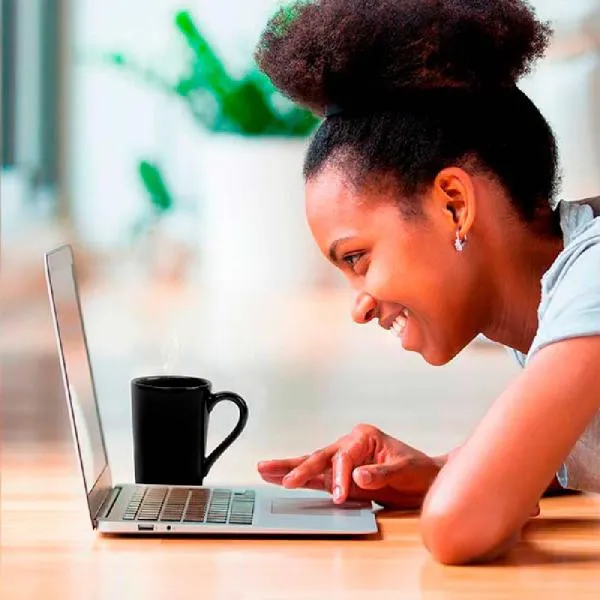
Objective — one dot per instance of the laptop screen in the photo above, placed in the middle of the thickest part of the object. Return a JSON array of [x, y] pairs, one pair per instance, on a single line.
[[76, 367]]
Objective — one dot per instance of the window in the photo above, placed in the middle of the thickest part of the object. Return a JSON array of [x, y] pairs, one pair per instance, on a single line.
[[32, 89]]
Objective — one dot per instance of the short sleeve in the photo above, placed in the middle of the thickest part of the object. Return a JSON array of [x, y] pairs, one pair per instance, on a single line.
[[570, 305]]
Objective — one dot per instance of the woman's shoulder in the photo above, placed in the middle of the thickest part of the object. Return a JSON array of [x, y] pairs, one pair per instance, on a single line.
[[580, 224], [570, 289], [572, 280], [576, 216]]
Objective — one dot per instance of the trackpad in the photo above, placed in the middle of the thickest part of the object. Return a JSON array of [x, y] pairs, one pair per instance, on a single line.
[[318, 507]]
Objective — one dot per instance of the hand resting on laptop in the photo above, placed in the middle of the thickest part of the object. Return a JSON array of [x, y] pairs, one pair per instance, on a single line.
[[366, 464]]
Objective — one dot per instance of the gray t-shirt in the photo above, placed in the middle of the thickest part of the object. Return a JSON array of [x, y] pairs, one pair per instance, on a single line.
[[570, 307]]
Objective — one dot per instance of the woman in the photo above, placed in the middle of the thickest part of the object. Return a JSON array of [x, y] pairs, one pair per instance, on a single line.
[[431, 185]]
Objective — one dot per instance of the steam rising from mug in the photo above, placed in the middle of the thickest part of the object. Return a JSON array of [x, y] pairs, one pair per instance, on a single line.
[[172, 355]]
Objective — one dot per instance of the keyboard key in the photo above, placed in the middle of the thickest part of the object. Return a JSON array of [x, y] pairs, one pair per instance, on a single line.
[[152, 503], [134, 504], [242, 508], [197, 506], [218, 508], [241, 520], [175, 505]]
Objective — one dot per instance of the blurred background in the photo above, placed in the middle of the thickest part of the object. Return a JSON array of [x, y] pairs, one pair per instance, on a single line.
[[142, 134]]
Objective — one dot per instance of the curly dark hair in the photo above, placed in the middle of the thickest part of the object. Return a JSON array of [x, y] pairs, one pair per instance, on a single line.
[[418, 85]]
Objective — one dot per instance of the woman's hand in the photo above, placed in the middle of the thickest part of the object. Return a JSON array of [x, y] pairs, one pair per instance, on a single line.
[[366, 464]]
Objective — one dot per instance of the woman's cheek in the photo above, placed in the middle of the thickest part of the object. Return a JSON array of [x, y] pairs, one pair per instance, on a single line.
[[383, 283]]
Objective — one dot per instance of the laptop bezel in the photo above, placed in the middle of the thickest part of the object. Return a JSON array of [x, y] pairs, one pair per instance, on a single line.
[[62, 257]]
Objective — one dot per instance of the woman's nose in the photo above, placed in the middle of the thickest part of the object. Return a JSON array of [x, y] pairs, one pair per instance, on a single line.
[[364, 308]]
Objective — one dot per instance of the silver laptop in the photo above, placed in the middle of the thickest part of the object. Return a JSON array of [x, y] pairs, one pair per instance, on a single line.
[[164, 509]]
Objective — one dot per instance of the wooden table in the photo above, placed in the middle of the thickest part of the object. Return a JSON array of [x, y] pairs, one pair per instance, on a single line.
[[48, 550]]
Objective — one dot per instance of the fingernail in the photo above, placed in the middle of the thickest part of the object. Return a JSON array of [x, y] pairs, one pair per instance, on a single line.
[[337, 493], [366, 476]]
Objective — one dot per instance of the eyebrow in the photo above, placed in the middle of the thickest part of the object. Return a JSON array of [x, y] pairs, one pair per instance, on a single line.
[[334, 246]]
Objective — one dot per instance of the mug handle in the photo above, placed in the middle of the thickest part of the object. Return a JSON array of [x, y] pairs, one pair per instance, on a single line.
[[235, 432]]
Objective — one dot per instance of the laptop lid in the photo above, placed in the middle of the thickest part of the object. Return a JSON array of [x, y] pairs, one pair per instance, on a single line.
[[78, 380]]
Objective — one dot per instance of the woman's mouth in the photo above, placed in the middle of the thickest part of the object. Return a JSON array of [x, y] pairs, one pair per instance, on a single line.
[[399, 324]]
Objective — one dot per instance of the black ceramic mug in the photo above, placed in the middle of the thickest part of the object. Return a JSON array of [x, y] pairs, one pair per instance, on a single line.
[[170, 424]]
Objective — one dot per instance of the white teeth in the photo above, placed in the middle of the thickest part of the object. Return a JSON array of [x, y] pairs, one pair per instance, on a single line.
[[399, 323]]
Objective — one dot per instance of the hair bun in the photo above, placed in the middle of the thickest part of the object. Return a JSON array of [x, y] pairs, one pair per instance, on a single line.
[[326, 52]]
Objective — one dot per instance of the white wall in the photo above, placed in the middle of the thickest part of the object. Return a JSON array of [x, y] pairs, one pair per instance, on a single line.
[[566, 88]]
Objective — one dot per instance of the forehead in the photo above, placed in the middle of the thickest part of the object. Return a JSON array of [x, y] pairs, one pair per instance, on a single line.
[[336, 208], [330, 194]]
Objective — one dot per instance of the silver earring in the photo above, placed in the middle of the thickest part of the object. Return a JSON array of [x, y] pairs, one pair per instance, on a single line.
[[458, 243]]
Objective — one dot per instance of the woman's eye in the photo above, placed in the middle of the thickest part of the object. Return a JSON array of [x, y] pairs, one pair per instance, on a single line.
[[352, 259]]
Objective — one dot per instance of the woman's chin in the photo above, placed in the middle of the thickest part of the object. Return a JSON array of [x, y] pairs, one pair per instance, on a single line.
[[435, 356], [415, 339], [434, 360]]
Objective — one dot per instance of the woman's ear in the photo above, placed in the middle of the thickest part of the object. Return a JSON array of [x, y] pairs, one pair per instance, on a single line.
[[454, 195]]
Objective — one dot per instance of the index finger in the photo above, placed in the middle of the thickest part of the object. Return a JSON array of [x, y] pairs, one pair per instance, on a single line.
[[347, 457], [316, 464], [280, 466]]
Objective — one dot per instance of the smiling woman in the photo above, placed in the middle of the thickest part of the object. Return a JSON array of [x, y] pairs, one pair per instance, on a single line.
[[430, 125], [431, 184]]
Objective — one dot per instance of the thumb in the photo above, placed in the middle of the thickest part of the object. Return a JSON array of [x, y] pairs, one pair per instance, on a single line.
[[375, 477]]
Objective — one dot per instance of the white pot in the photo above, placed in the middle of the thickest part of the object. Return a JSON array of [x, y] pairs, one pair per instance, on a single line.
[[254, 236]]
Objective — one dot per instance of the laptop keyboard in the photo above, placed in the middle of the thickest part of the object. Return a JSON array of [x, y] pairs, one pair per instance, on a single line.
[[193, 505]]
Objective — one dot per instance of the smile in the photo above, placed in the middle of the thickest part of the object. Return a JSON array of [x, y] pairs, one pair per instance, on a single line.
[[399, 323]]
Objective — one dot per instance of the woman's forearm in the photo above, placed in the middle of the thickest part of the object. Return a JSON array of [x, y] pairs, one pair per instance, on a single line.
[[554, 488]]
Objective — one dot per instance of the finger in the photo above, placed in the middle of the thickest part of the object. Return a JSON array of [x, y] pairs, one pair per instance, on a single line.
[[342, 466], [375, 477], [351, 454], [317, 483], [314, 465], [324, 483], [321, 483], [276, 479], [277, 476], [280, 466]]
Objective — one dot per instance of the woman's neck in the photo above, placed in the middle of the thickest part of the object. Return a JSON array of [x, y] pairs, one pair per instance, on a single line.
[[517, 287]]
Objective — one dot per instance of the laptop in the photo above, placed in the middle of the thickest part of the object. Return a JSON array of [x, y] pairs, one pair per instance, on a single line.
[[131, 508]]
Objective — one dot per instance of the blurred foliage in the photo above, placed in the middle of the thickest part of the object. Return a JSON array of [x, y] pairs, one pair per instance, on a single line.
[[155, 186], [161, 201], [219, 103]]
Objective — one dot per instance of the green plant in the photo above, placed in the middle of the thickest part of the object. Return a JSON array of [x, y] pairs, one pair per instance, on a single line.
[[220, 103], [161, 200]]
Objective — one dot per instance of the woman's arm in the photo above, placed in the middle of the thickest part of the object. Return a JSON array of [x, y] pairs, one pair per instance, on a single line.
[[484, 495], [554, 488]]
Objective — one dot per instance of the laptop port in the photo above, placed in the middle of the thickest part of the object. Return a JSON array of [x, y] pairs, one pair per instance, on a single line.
[[145, 527]]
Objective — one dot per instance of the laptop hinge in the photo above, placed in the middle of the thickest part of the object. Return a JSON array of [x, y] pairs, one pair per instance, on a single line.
[[106, 505]]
